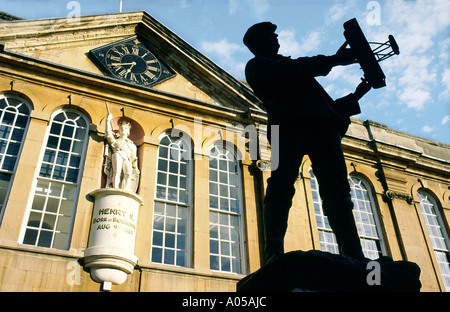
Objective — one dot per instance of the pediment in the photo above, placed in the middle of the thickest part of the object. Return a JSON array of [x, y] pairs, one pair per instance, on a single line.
[[195, 76]]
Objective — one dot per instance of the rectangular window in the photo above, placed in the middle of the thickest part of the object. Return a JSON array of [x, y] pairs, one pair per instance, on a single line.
[[170, 234]]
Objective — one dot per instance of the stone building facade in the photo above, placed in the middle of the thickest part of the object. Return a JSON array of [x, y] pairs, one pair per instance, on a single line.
[[200, 137]]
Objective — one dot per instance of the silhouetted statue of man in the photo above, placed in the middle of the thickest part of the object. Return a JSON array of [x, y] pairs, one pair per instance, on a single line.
[[310, 123]]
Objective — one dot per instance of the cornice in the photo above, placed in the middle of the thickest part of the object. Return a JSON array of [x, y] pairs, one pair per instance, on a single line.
[[51, 33]]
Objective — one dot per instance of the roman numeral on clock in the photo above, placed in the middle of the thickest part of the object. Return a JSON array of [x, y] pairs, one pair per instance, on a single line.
[[149, 74]]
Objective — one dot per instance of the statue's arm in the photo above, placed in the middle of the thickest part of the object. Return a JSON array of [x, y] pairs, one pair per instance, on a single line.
[[108, 129], [321, 65]]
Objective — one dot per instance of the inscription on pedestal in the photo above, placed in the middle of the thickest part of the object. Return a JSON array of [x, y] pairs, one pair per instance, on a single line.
[[116, 219]]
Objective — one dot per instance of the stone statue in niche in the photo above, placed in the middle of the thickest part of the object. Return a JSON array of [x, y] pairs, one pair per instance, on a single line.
[[121, 166], [109, 256]]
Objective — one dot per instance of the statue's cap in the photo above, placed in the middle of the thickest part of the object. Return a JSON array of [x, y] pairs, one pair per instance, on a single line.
[[258, 30]]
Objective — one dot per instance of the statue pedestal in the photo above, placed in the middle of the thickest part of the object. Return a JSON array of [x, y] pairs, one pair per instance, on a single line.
[[110, 253], [325, 272]]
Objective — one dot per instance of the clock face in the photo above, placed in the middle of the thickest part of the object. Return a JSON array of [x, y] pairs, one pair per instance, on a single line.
[[131, 61]]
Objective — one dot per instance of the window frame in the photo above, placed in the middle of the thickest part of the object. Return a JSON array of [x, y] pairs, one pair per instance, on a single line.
[[37, 179], [443, 230], [189, 204], [19, 152], [240, 214], [374, 210], [327, 232]]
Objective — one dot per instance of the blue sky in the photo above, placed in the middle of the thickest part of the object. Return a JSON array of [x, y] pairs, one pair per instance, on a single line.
[[417, 97]]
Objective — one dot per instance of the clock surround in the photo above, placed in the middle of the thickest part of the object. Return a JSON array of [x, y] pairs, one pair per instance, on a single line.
[[133, 61]]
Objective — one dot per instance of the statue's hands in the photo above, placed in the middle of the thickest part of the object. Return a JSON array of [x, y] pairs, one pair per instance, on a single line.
[[344, 56], [362, 88], [109, 117]]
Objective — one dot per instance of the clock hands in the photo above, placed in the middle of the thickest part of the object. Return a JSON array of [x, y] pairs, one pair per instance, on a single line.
[[125, 73], [122, 64]]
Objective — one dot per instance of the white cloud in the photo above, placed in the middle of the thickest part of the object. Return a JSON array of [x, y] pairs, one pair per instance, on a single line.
[[339, 10], [224, 52], [336, 12], [257, 7], [290, 46], [288, 43], [233, 6], [445, 95], [222, 48], [415, 25], [421, 16], [445, 47], [415, 98], [311, 42], [427, 129], [341, 80], [418, 72], [399, 121], [445, 120], [416, 77], [350, 74]]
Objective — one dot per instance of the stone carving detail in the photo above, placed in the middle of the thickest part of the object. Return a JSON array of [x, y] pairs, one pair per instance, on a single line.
[[393, 194]]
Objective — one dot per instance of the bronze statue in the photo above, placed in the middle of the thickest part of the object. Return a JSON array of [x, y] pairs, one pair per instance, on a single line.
[[310, 123]]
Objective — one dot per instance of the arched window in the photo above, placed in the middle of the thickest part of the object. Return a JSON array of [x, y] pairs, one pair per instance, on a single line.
[[365, 216], [52, 210], [14, 117], [226, 238], [437, 233], [326, 236], [172, 215]]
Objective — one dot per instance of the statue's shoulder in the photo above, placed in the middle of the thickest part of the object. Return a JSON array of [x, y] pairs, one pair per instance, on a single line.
[[130, 142], [261, 62]]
